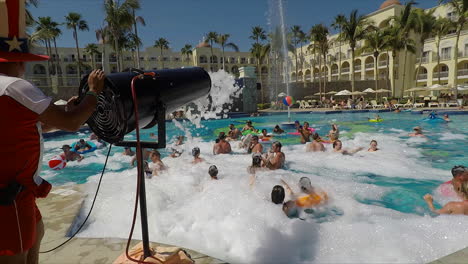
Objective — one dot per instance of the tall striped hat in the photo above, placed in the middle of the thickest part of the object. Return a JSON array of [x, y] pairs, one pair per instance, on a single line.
[[13, 38]]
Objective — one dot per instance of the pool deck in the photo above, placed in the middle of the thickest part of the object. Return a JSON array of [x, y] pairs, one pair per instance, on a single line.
[[450, 111], [59, 211]]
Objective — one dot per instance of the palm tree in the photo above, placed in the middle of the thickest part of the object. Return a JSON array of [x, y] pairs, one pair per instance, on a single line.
[[260, 51], [375, 43], [92, 49], [337, 25], [424, 24], [119, 20], [29, 18], [135, 5], [47, 30], [303, 39], [74, 22], [258, 34], [162, 44], [353, 30], [319, 37], [441, 27], [461, 18], [101, 37], [211, 37], [296, 34], [223, 42], [187, 51]]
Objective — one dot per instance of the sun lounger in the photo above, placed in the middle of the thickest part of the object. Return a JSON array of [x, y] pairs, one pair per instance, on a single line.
[[375, 104]]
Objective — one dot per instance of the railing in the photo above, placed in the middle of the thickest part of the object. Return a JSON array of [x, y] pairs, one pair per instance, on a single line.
[[462, 54], [334, 72], [422, 76], [462, 72], [442, 75], [382, 63], [112, 59], [369, 65], [422, 60], [357, 67], [446, 57], [345, 70]]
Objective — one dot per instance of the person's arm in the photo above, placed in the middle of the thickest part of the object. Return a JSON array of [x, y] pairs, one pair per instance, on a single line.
[[80, 158], [229, 147], [72, 119], [447, 209], [288, 189]]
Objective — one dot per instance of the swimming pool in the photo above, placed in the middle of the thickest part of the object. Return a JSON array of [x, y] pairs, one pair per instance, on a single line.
[[376, 213]]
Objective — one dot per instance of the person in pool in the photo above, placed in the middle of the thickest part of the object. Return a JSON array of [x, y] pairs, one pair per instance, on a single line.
[[310, 198], [234, 133], [432, 115], [248, 126], [128, 151], [451, 207], [334, 133], [316, 145], [256, 166], [222, 146], [265, 134], [460, 174], [446, 118], [297, 124], [373, 146], [196, 155], [156, 165], [278, 130], [275, 159], [70, 155], [82, 145], [338, 147], [417, 132], [145, 156], [277, 194], [376, 117], [305, 133], [213, 172], [255, 146]]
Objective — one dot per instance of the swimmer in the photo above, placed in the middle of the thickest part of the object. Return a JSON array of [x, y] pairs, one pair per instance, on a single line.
[[334, 133], [145, 156], [417, 132], [275, 159], [156, 165], [451, 207], [196, 155], [446, 118], [70, 155], [376, 117], [305, 133], [213, 172], [128, 151], [277, 194], [373, 146], [248, 126], [460, 174], [338, 147], [315, 145], [432, 115], [234, 133], [255, 146], [256, 166], [265, 134], [297, 124], [222, 146], [153, 136], [82, 145], [313, 197], [278, 130]]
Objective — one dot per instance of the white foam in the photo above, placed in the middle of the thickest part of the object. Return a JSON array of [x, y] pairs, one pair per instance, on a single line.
[[451, 136]]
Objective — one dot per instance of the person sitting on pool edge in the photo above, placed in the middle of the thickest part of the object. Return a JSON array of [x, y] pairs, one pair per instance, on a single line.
[[278, 130], [338, 147], [451, 207], [70, 155], [417, 132], [255, 146], [128, 151], [196, 155], [222, 146], [373, 146], [213, 172], [275, 159], [315, 145], [82, 145]]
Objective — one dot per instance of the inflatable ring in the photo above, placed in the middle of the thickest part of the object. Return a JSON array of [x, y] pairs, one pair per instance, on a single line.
[[375, 120], [249, 132], [93, 148], [312, 130]]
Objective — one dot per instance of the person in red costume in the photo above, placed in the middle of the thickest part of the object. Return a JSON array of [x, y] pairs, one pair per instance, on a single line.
[[24, 111]]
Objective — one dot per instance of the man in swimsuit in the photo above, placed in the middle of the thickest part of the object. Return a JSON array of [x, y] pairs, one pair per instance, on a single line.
[[196, 155], [275, 159], [315, 145], [417, 132], [334, 133], [305, 133], [338, 147], [145, 156], [248, 126], [156, 165], [234, 133], [310, 198], [451, 207], [128, 151], [222, 146], [213, 172], [278, 130], [82, 145], [28, 112], [255, 146], [373, 146], [70, 155]]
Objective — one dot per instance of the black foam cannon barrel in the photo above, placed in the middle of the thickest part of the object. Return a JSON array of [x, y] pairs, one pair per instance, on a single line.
[[169, 89]]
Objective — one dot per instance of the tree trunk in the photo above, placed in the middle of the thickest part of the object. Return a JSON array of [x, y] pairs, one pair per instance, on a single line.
[[103, 57], [455, 81], [326, 74], [393, 72], [376, 74], [136, 35], [438, 60], [295, 55], [420, 63], [387, 75], [162, 60], [404, 74], [49, 79], [223, 58], [75, 34], [93, 61], [211, 58], [352, 71], [116, 48], [320, 79], [56, 57]]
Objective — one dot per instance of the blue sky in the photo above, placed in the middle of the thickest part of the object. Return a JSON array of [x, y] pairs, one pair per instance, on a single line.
[[186, 21]]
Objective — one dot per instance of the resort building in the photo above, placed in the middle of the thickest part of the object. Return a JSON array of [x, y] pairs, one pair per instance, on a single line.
[[405, 68]]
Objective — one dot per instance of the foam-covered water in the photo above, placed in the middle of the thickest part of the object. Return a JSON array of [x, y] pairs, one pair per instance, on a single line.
[[376, 212]]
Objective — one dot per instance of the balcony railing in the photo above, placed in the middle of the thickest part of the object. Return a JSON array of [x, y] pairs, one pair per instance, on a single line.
[[462, 72], [446, 57], [422, 76], [369, 66], [462, 54], [357, 67], [422, 60], [334, 72], [442, 75], [345, 70], [382, 63]]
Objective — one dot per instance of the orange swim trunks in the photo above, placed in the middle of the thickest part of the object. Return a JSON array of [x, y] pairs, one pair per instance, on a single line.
[[18, 225]]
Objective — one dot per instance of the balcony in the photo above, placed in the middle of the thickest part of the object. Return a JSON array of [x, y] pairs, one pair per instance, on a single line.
[[463, 72], [334, 72], [345, 70], [422, 76], [446, 57], [357, 68], [462, 54], [112, 59], [442, 74], [369, 66], [423, 60]]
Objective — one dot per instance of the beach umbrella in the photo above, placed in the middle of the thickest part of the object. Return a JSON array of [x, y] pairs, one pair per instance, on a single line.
[[331, 92], [281, 95], [438, 87], [344, 92], [368, 90], [60, 102], [382, 91], [416, 89], [358, 93], [309, 96], [317, 94]]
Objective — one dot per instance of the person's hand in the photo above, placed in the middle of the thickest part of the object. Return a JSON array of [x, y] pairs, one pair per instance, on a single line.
[[428, 198], [96, 81], [71, 104]]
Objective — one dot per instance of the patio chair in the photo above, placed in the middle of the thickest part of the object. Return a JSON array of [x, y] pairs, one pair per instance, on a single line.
[[301, 104], [375, 104], [434, 102], [452, 103], [418, 105], [306, 104]]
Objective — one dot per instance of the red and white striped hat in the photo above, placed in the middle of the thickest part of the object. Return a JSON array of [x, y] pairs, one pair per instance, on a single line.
[[13, 39]]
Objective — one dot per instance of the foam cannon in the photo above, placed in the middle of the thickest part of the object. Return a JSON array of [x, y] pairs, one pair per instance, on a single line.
[[156, 93]]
